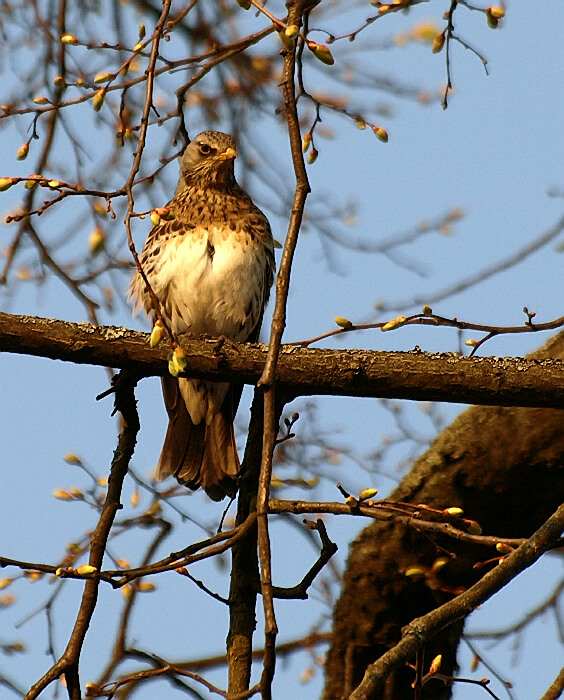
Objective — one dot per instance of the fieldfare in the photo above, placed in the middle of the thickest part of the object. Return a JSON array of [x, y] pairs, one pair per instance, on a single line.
[[211, 267]]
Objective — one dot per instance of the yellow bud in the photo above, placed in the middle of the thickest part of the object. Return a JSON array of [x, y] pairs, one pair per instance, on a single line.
[[5, 582], [383, 9], [321, 52], [32, 182], [438, 43], [146, 587], [76, 493], [414, 572], [471, 342], [435, 664], [366, 494], [41, 100], [59, 81], [102, 481], [177, 361], [439, 563], [289, 43], [164, 213], [503, 548], [395, 323], [292, 31], [6, 183], [182, 570], [23, 150], [127, 591], [453, 512], [343, 322], [472, 527], [62, 495], [380, 133], [100, 209], [157, 334], [123, 563], [424, 32], [496, 11], [154, 509], [138, 46], [312, 156], [103, 77], [141, 31], [6, 600], [360, 123], [86, 569], [98, 100], [135, 498], [96, 241], [54, 184], [33, 576], [69, 39], [60, 571], [24, 274], [351, 501], [306, 142], [155, 218], [129, 135], [427, 310], [307, 674]]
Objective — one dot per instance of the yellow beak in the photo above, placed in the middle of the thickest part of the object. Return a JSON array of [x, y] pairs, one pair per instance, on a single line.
[[228, 154]]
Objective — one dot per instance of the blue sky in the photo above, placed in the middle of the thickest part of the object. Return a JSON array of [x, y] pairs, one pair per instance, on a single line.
[[496, 152]]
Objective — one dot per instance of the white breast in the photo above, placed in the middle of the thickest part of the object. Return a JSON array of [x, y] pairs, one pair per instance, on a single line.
[[214, 279]]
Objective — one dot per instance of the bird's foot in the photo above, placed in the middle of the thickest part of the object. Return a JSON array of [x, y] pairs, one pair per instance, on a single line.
[[222, 341]]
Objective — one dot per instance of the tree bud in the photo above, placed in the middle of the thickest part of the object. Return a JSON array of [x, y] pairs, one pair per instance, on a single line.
[[96, 241], [98, 100], [6, 183], [380, 133], [86, 569], [321, 52], [23, 150], [438, 43]]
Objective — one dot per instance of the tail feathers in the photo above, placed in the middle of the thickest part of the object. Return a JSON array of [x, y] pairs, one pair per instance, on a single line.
[[200, 455], [220, 463]]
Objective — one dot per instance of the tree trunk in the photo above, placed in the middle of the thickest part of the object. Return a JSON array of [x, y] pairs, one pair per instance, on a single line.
[[504, 467]]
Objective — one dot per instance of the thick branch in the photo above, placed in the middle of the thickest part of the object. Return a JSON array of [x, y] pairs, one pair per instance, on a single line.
[[411, 375], [503, 467], [421, 630]]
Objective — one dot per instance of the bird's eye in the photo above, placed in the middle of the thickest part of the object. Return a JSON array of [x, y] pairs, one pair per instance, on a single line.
[[205, 149]]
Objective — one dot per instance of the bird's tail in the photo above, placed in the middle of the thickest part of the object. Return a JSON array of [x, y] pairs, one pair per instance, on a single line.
[[200, 455]]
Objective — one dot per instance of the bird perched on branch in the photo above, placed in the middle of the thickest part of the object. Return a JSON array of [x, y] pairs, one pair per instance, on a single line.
[[211, 268]]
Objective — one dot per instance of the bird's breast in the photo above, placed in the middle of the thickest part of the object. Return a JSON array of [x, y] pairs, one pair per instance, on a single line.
[[216, 285]]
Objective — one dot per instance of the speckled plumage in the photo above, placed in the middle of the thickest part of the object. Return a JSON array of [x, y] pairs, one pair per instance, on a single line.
[[211, 268]]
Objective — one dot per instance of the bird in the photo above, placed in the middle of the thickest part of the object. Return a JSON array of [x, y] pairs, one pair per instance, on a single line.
[[210, 262]]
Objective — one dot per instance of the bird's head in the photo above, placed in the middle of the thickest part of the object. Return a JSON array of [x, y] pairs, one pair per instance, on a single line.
[[208, 159]]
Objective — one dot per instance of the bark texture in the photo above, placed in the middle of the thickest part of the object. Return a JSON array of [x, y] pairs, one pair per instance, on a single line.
[[505, 468]]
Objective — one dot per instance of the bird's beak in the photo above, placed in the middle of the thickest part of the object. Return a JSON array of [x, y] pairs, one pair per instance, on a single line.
[[228, 154]]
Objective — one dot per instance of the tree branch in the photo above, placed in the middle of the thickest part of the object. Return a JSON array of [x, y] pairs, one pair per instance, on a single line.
[[414, 375], [421, 630]]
